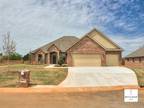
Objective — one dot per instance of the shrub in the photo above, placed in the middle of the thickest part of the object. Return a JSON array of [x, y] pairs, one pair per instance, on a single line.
[[61, 60], [26, 57]]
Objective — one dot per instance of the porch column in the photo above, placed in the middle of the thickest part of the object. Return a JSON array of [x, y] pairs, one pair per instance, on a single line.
[[43, 58], [58, 56], [36, 58], [48, 58]]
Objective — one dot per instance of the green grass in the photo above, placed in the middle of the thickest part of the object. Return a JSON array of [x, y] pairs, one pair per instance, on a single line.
[[140, 75], [39, 75]]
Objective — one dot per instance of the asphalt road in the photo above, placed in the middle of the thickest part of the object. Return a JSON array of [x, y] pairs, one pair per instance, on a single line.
[[108, 99]]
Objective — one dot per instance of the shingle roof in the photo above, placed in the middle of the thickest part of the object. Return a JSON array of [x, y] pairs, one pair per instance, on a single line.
[[62, 43], [138, 53]]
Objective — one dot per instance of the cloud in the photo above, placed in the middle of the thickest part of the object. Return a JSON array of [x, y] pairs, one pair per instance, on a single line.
[[33, 23], [129, 44]]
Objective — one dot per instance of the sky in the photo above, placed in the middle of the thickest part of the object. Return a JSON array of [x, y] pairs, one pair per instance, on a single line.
[[33, 23]]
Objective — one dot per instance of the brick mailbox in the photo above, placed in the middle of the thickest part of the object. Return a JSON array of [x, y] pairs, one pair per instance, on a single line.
[[24, 78]]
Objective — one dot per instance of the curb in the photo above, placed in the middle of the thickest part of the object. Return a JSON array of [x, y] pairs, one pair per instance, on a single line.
[[66, 89]]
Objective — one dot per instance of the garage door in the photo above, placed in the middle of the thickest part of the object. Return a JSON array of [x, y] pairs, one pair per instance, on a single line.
[[112, 59], [86, 59]]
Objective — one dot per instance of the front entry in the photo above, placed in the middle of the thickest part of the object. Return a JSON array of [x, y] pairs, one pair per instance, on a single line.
[[53, 58], [40, 59]]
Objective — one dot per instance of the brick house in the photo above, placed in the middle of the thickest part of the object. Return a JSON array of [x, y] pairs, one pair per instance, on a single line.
[[50, 53], [93, 49], [135, 59]]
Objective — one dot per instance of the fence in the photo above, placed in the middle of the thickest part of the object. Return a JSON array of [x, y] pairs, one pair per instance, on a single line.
[[4, 62]]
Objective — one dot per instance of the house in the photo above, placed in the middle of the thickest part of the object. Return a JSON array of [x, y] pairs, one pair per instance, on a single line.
[[93, 49], [50, 53], [135, 59]]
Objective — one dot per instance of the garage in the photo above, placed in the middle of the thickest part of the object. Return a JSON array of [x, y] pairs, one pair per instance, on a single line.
[[94, 49], [86, 59], [112, 59]]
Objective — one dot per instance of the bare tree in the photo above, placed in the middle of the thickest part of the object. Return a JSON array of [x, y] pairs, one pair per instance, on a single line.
[[9, 45]]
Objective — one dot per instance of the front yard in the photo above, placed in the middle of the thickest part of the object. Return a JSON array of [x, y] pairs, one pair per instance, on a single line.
[[42, 76], [140, 75], [39, 75]]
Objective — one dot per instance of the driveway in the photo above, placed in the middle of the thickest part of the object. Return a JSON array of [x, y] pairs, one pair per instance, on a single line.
[[99, 76]]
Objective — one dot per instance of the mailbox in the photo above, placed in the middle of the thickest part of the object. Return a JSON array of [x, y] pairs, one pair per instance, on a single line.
[[24, 78]]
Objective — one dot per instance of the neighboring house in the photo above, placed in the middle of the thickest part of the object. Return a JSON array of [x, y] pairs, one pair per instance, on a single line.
[[93, 49], [135, 59]]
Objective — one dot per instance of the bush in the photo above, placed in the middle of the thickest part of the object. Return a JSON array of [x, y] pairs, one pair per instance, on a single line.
[[61, 60], [26, 57], [15, 56]]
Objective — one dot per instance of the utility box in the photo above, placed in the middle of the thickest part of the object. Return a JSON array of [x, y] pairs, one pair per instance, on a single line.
[[24, 78]]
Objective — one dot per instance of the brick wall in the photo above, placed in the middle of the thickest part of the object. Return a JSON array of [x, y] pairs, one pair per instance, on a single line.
[[46, 55], [85, 46], [134, 62]]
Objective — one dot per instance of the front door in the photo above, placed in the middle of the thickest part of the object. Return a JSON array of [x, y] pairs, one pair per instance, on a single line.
[[53, 58]]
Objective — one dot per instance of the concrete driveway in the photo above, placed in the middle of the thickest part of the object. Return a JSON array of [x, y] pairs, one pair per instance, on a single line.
[[99, 76]]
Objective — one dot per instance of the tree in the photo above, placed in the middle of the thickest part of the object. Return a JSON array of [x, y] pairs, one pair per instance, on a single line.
[[0, 57], [15, 56], [9, 46]]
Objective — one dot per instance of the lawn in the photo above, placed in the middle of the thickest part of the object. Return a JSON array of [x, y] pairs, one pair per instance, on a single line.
[[42, 76], [140, 75], [39, 75]]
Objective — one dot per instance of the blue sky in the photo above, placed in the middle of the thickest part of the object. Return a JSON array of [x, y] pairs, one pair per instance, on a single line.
[[33, 23]]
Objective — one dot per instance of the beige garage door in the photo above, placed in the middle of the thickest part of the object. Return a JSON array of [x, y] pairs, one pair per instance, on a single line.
[[112, 59], [86, 59]]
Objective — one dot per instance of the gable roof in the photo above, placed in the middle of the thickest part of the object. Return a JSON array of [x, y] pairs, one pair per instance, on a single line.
[[105, 38], [137, 53], [118, 48], [62, 43]]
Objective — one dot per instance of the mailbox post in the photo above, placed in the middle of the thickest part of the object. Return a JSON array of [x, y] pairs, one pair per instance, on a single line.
[[24, 78]]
